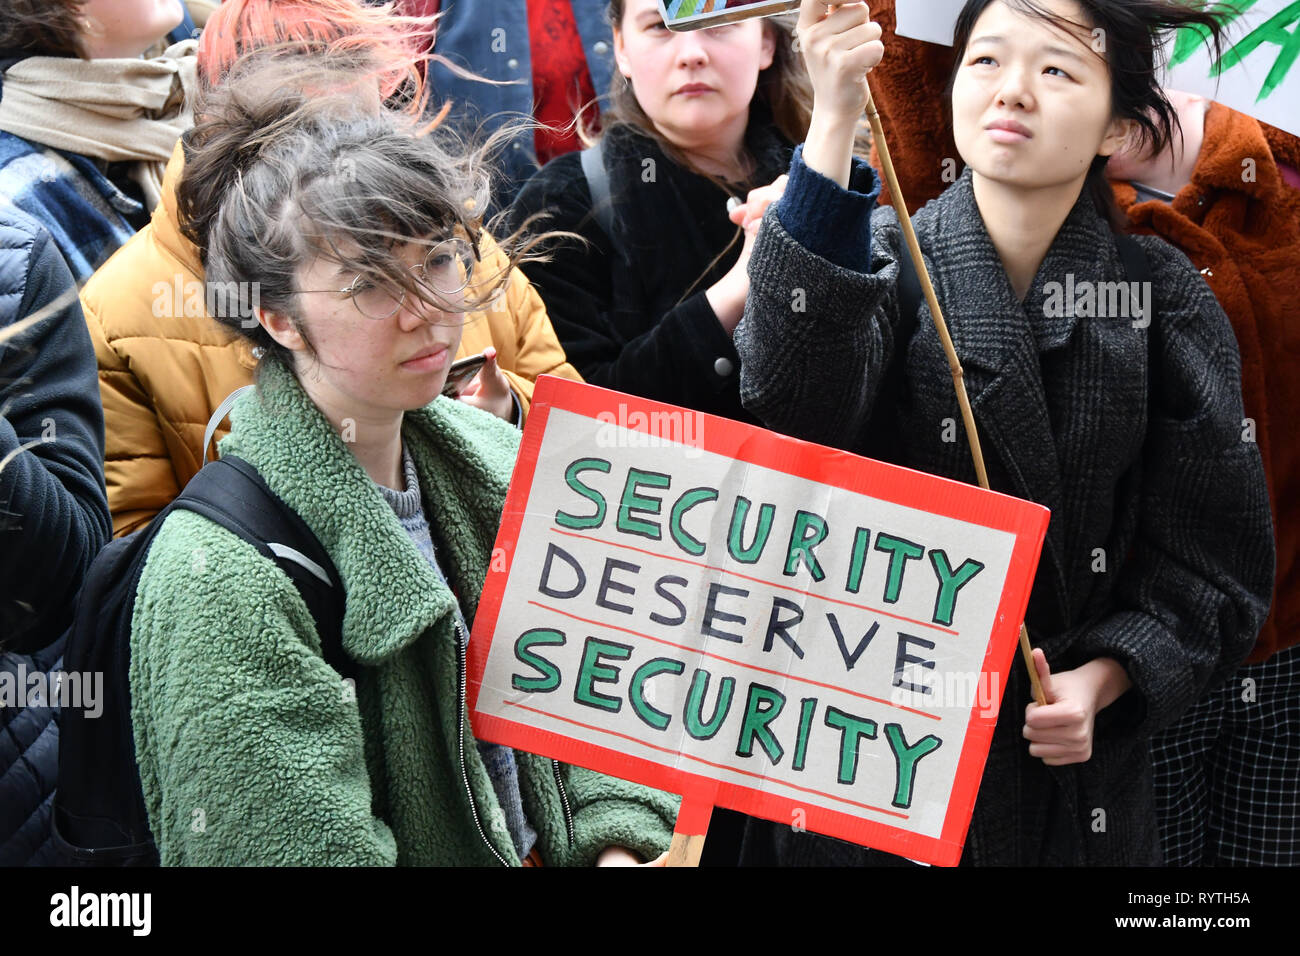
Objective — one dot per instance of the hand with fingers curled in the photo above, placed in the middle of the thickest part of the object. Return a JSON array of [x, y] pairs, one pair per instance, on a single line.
[[749, 214], [1060, 732], [490, 390], [841, 45], [727, 295]]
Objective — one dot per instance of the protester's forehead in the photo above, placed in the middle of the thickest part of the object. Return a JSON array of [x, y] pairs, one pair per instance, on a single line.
[[328, 255], [640, 10], [1068, 32], [338, 256]]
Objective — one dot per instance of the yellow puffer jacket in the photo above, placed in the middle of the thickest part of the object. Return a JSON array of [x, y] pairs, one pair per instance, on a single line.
[[165, 365]]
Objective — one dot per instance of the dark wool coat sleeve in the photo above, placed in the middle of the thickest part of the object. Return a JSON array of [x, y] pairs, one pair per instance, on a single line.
[[820, 335], [1198, 581], [673, 358], [53, 510]]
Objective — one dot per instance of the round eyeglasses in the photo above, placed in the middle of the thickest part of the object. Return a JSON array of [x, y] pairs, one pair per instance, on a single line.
[[447, 270]]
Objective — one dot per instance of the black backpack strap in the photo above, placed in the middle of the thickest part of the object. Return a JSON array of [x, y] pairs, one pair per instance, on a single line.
[[99, 814], [99, 817], [602, 206], [1134, 257], [231, 493], [909, 289]]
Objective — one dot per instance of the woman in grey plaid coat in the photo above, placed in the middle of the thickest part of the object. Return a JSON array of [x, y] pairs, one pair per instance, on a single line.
[[1109, 394]]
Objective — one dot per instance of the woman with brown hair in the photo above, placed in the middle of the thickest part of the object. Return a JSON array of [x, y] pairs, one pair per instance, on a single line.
[[648, 303], [357, 228]]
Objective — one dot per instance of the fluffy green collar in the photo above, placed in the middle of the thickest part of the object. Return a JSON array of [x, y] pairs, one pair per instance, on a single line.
[[463, 457]]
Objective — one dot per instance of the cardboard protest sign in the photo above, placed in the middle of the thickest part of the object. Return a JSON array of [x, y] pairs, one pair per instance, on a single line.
[[1256, 75], [716, 610]]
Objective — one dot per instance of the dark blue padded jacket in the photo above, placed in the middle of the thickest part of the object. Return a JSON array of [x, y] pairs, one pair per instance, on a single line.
[[53, 511]]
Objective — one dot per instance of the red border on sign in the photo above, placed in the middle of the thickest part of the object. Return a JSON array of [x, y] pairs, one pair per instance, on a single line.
[[1025, 520]]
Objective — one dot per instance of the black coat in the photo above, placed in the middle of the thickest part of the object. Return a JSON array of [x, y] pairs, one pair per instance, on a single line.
[[53, 513], [53, 509], [1132, 436], [617, 306]]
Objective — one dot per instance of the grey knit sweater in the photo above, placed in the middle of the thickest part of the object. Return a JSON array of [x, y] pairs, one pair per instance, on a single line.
[[499, 761]]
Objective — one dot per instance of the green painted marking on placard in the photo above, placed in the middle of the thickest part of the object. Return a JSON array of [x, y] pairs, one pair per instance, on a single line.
[[906, 757], [696, 726], [1282, 29]]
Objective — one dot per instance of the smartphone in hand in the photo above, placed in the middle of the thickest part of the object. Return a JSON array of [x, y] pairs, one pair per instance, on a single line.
[[460, 374]]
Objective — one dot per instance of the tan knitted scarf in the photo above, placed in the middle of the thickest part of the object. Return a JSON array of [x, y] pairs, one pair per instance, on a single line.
[[119, 110]]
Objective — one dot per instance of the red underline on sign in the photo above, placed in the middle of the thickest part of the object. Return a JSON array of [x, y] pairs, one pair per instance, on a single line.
[[728, 660], [709, 763], [770, 584]]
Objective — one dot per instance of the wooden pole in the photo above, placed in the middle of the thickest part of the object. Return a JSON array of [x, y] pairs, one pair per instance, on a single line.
[[691, 827], [685, 850], [954, 364]]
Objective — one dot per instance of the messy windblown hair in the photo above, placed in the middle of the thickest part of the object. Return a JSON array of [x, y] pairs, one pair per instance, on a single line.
[[287, 163]]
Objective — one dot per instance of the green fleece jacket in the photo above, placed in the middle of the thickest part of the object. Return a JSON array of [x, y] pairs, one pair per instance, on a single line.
[[251, 748]]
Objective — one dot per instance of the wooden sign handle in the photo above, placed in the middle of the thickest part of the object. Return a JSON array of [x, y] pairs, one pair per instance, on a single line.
[[689, 832]]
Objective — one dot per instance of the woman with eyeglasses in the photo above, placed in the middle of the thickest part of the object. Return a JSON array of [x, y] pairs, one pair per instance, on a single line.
[[358, 232]]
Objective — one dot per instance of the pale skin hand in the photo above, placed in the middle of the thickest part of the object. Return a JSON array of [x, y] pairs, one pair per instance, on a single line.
[[490, 389], [618, 856], [840, 45], [727, 295], [1060, 732]]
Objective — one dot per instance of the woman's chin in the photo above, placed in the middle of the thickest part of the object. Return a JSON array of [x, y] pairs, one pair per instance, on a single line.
[[433, 394], [417, 397], [695, 125]]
